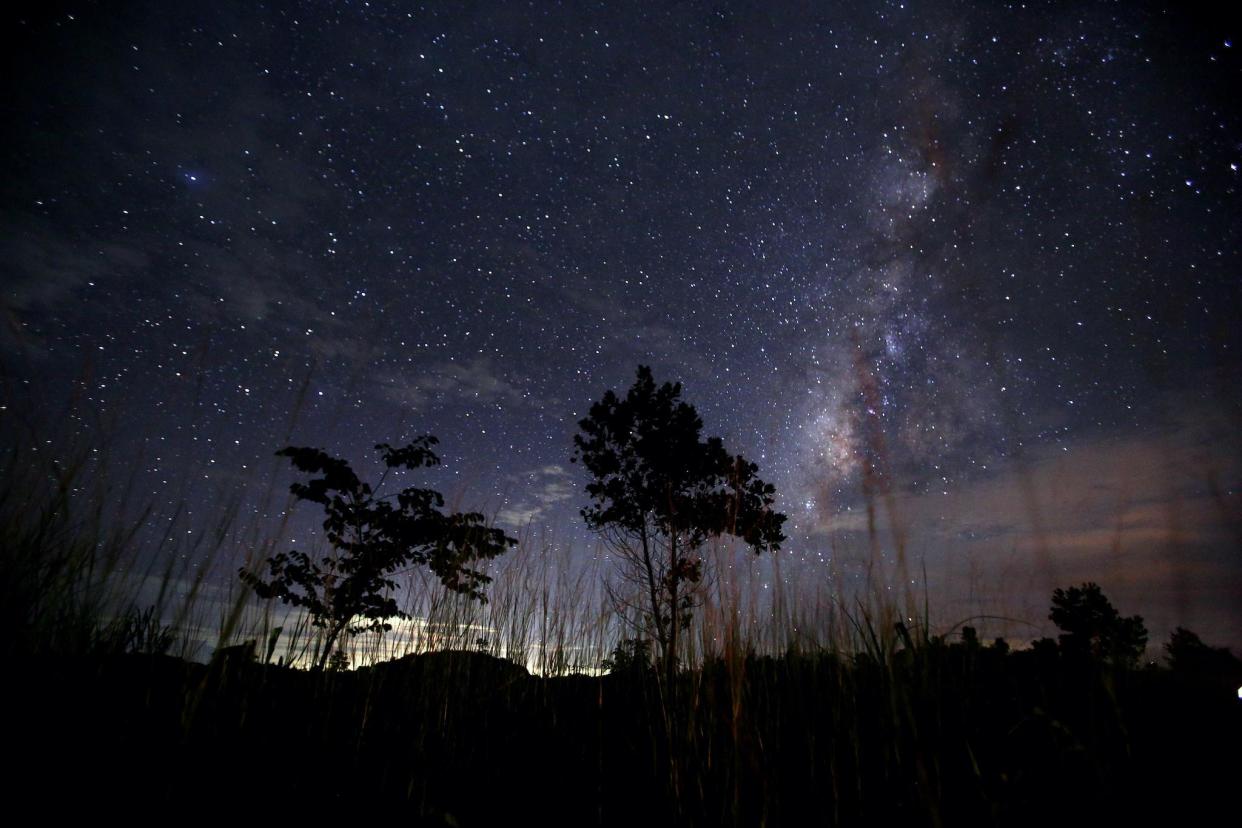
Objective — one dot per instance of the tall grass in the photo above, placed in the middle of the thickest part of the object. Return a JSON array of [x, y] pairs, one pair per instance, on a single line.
[[62, 541], [80, 557], [792, 695], [83, 555]]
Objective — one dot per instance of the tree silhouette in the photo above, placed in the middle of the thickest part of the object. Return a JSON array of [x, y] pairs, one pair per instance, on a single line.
[[659, 492], [631, 657], [372, 537], [1093, 628], [1186, 652]]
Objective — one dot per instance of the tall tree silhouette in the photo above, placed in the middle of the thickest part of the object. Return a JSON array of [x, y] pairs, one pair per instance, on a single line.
[[659, 492], [1092, 627], [372, 536]]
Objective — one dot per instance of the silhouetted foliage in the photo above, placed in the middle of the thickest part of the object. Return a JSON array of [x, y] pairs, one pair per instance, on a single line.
[[631, 656], [1186, 652], [1093, 628], [1045, 649], [136, 631], [373, 536], [659, 491], [338, 662]]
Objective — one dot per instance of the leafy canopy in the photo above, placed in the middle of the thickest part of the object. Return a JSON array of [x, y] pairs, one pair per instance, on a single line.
[[1186, 652], [1092, 627], [652, 472], [373, 536]]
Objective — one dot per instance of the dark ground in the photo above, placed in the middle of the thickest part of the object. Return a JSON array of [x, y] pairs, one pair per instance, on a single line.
[[946, 736]]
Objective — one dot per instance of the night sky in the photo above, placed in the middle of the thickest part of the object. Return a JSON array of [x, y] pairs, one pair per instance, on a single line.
[[976, 264]]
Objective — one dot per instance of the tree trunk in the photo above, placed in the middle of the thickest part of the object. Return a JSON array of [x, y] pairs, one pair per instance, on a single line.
[[670, 655], [654, 593], [333, 634]]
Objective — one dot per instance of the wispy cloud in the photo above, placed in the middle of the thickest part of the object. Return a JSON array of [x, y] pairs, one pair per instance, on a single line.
[[1152, 516], [477, 380], [548, 486], [46, 269]]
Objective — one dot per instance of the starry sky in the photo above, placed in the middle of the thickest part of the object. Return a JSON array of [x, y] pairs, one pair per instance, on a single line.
[[963, 278]]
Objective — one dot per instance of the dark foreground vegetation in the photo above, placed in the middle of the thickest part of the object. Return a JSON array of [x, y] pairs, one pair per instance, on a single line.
[[847, 717], [933, 734]]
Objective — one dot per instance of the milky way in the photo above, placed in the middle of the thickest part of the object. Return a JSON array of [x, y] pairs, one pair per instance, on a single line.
[[977, 261]]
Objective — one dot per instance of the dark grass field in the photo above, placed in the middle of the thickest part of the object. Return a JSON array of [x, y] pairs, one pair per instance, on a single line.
[[869, 723], [935, 735]]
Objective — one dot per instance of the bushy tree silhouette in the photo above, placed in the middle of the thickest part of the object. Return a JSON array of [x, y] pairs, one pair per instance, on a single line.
[[1091, 627], [659, 492], [631, 657], [1186, 652], [373, 536]]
